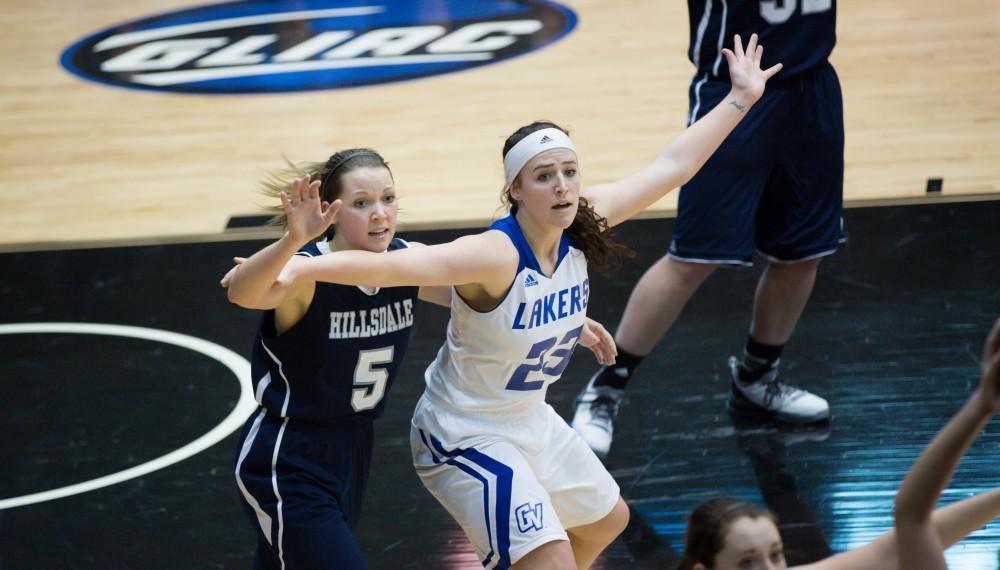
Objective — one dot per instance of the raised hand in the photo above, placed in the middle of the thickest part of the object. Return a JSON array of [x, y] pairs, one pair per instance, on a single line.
[[745, 73], [597, 338], [989, 385], [308, 216]]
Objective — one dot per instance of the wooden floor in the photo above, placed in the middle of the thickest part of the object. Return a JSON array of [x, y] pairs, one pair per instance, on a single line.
[[81, 161]]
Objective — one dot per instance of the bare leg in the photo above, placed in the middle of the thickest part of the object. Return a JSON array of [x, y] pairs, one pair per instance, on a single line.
[[782, 293], [590, 540], [556, 555], [656, 302]]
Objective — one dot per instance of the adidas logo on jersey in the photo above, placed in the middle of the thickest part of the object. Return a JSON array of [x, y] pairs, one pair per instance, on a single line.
[[530, 281], [553, 307], [545, 139]]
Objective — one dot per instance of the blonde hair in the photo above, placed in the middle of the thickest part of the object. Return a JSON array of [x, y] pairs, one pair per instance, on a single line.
[[329, 173]]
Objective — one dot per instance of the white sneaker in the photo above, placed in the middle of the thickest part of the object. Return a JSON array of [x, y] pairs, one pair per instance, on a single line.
[[773, 398], [596, 408]]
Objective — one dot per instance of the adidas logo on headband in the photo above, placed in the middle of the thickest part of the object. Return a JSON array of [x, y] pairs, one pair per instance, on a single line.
[[529, 146]]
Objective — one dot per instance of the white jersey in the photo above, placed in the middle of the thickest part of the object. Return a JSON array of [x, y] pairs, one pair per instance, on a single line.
[[504, 359]]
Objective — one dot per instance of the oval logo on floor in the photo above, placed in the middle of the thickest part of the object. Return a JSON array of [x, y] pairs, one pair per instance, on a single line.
[[304, 45]]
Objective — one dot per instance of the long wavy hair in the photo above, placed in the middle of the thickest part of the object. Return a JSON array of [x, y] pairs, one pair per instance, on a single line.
[[589, 231], [707, 527], [329, 173]]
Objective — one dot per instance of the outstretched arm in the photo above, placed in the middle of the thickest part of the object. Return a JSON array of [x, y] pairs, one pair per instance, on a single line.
[[919, 545], [253, 285], [487, 258], [921, 533], [681, 159], [950, 524]]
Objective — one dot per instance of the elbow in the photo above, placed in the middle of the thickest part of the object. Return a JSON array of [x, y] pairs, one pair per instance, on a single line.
[[235, 297]]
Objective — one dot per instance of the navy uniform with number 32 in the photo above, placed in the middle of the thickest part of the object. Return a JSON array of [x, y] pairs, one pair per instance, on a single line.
[[303, 458], [776, 183]]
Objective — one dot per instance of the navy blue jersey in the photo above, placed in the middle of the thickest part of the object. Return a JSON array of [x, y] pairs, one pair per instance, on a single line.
[[340, 360], [797, 33]]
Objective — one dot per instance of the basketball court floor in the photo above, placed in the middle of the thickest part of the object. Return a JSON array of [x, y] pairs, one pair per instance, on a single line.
[[122, 365]]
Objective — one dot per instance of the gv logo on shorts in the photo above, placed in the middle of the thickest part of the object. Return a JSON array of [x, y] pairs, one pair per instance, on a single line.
[[529, 517], [297, 45]]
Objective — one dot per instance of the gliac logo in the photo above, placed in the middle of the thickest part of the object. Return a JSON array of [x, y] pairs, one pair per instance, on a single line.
[[297, 45]]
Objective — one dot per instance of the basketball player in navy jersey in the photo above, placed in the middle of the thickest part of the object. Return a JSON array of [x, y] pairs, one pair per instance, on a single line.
[[774, 187], [324, 359], [524, 486]]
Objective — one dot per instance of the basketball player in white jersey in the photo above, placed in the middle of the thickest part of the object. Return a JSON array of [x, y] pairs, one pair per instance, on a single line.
[[527, 490]]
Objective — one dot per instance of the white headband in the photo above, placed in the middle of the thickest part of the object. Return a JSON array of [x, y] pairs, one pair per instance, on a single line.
[[531, 146]]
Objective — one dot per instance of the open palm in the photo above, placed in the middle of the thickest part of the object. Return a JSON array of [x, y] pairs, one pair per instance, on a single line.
[[745, 73], [308, 216]]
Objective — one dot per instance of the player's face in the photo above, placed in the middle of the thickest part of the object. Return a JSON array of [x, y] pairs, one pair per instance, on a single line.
[[751, 544], [367, 219], [548, 187]]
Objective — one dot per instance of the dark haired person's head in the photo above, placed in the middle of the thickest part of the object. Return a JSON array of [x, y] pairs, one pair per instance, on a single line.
[[725, 534]]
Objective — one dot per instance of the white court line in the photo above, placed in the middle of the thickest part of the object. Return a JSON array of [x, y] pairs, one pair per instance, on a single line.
[[236, 363], [129, 38]]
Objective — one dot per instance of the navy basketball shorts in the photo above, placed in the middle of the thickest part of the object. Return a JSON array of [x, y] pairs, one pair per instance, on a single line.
[[302, 484], [776, 184]]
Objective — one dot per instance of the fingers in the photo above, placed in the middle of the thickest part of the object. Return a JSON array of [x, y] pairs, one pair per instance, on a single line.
[[758, 55], [304, 188], [769, 72], [738, 45], [330, 211], [991, 347], [297, 186], [751, 46], [604, 344], [730, 57], [228, 277]]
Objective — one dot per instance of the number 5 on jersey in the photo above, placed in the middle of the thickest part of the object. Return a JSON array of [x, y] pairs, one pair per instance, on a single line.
[[370, 383]]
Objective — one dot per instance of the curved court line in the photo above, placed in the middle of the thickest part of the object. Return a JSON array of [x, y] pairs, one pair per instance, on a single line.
[[236, 363]]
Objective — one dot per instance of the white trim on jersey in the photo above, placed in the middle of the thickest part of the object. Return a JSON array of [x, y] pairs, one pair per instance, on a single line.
[[324, 248], [277, 446], [277, 494], [261, 386], [697, 100], [288, 386], [711, 261], [263, 519], [722, 39], [700, 34]]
